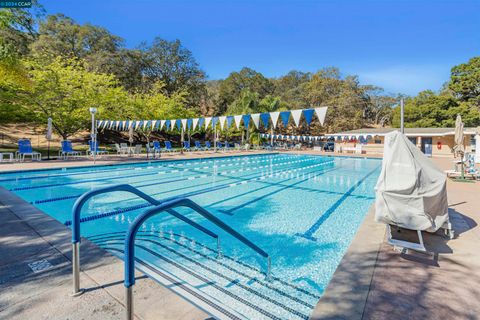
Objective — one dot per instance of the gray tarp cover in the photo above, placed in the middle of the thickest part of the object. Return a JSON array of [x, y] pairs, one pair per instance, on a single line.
[[411, 191]]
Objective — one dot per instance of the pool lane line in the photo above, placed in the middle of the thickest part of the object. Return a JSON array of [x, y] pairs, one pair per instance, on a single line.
[[280, 184], [151, 234], [140, 166], [136, 207], [225, 291], [222, 174], [115, 177], [231, 210], [116, 234], [135, 184], [132, 208], [119, 166], [314, 228], [221, 275]]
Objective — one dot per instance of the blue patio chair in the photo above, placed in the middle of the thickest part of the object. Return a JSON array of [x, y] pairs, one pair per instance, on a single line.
[[198, 146], [219, 145], [168, 147], [156, 149], [186, 146], [226, 146], [93, 147], [25, 149], [208, 146], [67, 149]]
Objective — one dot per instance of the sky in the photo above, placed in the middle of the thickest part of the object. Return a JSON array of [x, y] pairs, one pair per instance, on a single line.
[[404, 46]]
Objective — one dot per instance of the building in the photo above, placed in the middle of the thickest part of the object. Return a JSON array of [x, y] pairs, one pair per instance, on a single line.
[[432, 141]]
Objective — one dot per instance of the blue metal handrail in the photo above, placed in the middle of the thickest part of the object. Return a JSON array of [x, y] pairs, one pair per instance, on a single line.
[[77, 209], [129, 252]]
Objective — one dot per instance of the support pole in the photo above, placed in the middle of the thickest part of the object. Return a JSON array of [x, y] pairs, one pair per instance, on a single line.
[[215, 139], [76, 269], [182, 139], [477, 147], [129, 303], [402, 112]]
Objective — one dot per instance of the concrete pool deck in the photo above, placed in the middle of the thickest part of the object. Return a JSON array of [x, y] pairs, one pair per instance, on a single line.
[[372, 282]]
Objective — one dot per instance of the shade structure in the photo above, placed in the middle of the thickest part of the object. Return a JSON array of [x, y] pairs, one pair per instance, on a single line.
[[411, 192]]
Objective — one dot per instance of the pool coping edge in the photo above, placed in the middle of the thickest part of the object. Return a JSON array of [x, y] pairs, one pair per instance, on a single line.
[[346, 294]]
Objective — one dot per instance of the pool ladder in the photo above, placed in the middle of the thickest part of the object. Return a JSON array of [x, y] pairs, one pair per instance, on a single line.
[[129, 253]]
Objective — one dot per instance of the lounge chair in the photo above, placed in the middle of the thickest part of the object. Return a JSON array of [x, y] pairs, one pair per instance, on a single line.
[[168, 147], [186, 146], [154, 148], [208, 146], [3, 156], [67, 150], [138, 149], [25, 149], [95, 149], [227, 146], [198, 146], [219, 145], [120, 149]]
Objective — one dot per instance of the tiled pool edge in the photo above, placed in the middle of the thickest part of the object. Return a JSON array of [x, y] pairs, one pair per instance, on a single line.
[[99, 266], [347, 292]]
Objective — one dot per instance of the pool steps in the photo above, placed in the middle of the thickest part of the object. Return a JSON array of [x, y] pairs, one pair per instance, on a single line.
[[129, 243]]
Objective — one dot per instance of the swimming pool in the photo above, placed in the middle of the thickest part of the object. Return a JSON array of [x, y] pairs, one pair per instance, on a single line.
[[302, 210]]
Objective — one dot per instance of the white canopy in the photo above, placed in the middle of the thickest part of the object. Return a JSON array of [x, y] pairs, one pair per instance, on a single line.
[[411, 191]]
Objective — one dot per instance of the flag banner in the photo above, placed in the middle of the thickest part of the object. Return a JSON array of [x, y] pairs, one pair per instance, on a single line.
[[256, 119], [214, 122], [194, 122], [308, 115], [246, 120], [229, 121], [207, 121], [274, 116], [225, 121], [296, 114], [265, 117], [321, 113], [285, 115], [222, 121], [238, 120]]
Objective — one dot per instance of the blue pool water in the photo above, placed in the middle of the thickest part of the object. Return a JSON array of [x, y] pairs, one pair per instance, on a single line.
[[302, 210]]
